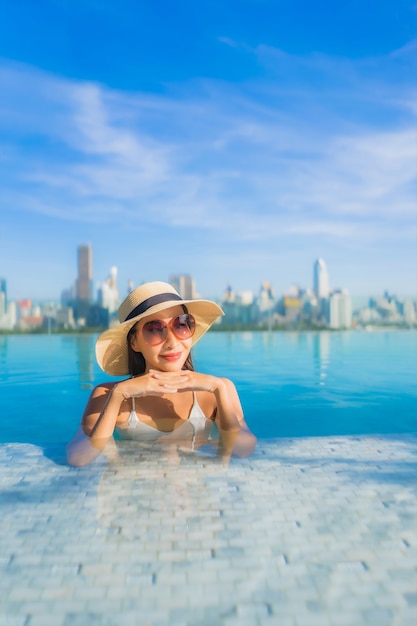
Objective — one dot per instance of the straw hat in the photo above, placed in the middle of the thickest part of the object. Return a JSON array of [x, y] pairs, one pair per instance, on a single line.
[[150, 298]]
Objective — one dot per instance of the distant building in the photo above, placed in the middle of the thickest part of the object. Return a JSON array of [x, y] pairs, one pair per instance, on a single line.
[[245, 298], [98, 317], [84, 290], [3, 310], [240, 309], [294, 291], [408, 311], [388, 310], [68, 297], [184, 284], [11, 314], [8, 315], [30, 322], [310, 309], [386, 307], [24, 308], [321, 280], [367, 316], [3, 306], [229, 295], [340, 309], [65, 317], [108, 295], [266, 299], [3, 297], [291, 308]]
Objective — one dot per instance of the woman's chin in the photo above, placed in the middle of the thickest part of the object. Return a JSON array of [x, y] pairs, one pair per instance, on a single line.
[[170, 366]]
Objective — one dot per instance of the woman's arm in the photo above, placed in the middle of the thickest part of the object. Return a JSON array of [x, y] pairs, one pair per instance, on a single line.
[[96, 428], [235, 436], [104, 407]]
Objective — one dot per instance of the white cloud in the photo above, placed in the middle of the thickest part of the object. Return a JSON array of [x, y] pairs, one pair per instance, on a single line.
[[228, 42], [261, 159]]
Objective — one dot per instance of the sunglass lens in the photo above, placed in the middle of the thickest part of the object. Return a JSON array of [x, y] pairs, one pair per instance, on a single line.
[[184, 326], [154, 332]]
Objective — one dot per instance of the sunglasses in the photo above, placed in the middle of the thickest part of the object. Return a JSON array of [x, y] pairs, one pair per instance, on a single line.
[[156, 331]]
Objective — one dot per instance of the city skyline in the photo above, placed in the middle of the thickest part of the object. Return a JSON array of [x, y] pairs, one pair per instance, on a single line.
[[317, 267], [235, 142], [109, 293], [319, 308]]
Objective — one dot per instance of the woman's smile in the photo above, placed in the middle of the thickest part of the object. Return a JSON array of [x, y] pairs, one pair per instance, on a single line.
[[171, 356]]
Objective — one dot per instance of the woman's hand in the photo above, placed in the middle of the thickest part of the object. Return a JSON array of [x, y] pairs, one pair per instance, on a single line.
[[229, 414], [187, 380], [157, 383], [154, 383]]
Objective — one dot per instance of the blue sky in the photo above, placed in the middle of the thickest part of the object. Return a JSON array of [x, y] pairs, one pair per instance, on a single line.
[[236, 140]]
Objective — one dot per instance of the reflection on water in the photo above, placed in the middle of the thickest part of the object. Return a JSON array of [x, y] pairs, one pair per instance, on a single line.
[[157, 536], [210, 441], [321, 356], [179, 517], [145, 482], [85, 360], [3, 357]]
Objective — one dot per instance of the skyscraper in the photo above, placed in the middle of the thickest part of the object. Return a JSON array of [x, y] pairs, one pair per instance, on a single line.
[[184, 284], [108, 295], [321, 280], [3, 297], [340, 309], [84, 279]]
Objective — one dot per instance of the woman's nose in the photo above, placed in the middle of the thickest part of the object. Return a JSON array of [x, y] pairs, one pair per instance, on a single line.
[[170, 339]]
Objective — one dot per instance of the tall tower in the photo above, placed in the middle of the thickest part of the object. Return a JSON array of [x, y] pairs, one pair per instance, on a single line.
[[321, 280], [184, 284], [340, 309], [3, 297], [108, 294], [84, 279]]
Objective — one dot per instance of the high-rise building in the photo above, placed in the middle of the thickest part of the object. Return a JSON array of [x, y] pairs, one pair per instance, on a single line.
[[240, 309], [266, 298], [84, 291], [108, 293], [321, 279], [184, 284], [3, 297], [340, 309]]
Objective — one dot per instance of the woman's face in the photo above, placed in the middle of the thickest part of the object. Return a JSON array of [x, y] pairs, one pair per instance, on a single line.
[[171, 354]]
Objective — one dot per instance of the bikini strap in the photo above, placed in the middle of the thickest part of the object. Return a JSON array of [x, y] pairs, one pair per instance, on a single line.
[[133, 403]]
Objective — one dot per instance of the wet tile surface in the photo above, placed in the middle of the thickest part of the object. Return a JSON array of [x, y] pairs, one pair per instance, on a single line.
[[305, 532]]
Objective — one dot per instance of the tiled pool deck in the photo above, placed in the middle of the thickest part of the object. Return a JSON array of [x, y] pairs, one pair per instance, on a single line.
[[305, 532]]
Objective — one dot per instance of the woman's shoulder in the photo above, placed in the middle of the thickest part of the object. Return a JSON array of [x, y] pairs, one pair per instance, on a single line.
[[228, 383], [102, 388]]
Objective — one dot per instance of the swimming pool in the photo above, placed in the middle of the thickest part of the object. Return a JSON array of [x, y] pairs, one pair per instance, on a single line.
[[291, 384], [306, 530]]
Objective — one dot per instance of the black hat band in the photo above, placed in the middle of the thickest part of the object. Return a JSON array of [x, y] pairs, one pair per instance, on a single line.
[[150, 302]]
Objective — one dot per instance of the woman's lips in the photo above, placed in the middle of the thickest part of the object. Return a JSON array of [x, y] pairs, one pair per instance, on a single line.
[[172, 356]]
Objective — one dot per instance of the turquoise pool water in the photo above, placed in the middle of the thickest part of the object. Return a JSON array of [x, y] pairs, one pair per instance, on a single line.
[[291, 384]]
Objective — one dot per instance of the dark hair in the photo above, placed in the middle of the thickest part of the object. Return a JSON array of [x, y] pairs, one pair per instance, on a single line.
[[136, 360]]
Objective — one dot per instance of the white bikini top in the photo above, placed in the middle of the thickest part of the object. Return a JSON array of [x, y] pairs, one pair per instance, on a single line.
[[197, 422]]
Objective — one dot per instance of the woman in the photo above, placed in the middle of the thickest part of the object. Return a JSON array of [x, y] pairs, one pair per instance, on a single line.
[[164, 399]]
